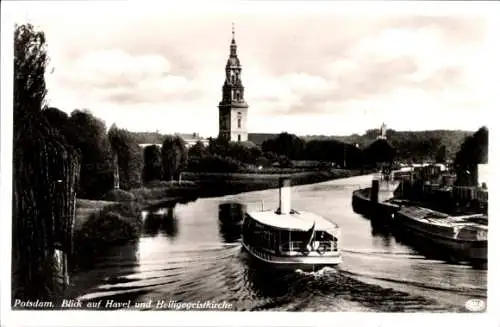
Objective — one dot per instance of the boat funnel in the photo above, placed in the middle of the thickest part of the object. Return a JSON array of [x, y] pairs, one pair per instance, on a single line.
[[285, 196]]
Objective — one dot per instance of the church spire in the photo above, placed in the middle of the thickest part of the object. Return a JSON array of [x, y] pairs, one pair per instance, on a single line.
[[233, 43], [232, 108]]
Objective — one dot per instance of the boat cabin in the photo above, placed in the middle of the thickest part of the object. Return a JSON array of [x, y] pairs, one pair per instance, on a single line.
[[290, 237], [281, 240]]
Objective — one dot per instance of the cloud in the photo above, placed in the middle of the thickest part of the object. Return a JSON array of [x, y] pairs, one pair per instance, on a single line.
[[418, 53], [300, 67], [118, 77]]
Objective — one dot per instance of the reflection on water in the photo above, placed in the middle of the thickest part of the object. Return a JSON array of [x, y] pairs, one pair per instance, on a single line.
[[431, 250], [231, 216], [161, 220], [191, 252], [382, 236], [380, 229], [107, 265], [386, 235], [230, 233]]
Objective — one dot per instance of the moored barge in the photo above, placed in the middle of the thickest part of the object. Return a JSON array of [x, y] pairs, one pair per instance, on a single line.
[[467, 236]]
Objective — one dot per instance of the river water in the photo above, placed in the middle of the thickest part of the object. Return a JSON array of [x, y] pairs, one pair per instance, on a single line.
[[185, 254]]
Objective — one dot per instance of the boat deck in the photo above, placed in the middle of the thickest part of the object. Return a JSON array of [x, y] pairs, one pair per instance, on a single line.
[[438, 218], [300, 221]]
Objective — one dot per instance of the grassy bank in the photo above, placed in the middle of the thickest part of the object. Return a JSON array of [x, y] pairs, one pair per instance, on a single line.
[[117, 218], [213, 184], [202, 185]]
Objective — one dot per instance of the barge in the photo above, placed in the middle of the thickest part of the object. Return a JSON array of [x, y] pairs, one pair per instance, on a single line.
[[466, 236]]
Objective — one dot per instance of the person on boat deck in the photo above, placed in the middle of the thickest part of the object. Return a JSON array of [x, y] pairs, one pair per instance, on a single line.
[[320, 236]]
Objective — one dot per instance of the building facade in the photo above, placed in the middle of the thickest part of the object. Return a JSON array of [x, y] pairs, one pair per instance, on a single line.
[[189, 140], [233, 110]]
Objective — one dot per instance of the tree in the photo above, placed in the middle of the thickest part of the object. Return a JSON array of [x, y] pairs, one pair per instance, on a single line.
[[174, 157], [45, 175], [473, 151], [441, 154], [285, 144], [354, 156], [88, 135], [58, 120], [152, 163], [379, 152], [30, 62], [129, 157], [372, 133], [198, 150], [481, 139], [218, 146], [244, 152]]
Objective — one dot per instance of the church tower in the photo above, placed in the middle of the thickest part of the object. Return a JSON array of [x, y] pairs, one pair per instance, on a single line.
[[233, 110]]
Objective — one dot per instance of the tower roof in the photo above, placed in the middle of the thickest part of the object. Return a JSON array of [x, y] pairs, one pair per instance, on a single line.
[[233, 59], [233, 90]]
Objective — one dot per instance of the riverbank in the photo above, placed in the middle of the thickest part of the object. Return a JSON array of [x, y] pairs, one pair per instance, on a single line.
[[225, 184], [118, 219]]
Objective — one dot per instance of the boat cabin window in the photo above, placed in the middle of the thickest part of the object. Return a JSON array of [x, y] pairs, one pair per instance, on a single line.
[[295, 241], [259, 235], [287, 236]]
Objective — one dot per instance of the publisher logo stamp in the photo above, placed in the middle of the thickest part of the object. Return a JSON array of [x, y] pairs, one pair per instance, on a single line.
[[475, 305]]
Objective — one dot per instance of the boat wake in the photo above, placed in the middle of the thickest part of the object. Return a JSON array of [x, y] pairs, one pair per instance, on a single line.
[[318, 273], [401, 254], [222, 274], [463, 289]]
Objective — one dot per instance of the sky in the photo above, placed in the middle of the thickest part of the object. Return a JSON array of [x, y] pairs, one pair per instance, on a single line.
[[308, 68]]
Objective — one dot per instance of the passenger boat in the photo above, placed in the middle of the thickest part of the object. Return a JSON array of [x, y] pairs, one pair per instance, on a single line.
[[467, 236], [289, 239]]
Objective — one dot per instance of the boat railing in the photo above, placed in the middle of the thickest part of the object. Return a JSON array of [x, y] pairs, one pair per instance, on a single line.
[[298, 246], [256, 206]]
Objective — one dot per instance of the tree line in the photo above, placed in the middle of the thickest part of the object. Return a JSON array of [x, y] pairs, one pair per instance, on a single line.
[[412, 147], [113, 158], [409, 146], [415, 146]]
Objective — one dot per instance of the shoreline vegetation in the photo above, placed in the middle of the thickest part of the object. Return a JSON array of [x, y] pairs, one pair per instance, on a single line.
[[117, 219]]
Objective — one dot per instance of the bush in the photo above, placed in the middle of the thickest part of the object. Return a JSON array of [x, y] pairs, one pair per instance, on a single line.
[[149, 193], [107, 228], [115, 224], [262, 161], [215, 164]]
